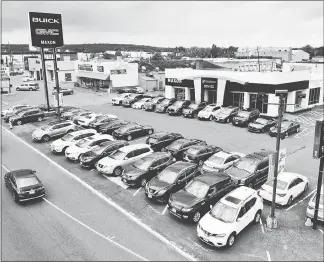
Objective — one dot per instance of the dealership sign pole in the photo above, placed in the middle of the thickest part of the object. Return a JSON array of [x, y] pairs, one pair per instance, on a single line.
[[47, 32]]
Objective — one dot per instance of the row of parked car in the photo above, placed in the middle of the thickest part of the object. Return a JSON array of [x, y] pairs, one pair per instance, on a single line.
[[250, 117]]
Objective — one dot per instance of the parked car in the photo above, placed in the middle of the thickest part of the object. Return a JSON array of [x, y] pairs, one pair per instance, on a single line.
[[12, 109], [161, 140], [179, 146], [133, 90], [87, 119], [150, 105], [245, 116], [131, 100], [61, 144], [30, 115], [144, 169], [80, 115], [90, 158], [28, 87], [177, 107], [287, 128], [251, 170], [195, 199], [109, 127], [220, 161], [89, 143], [170, 180], [207, 112], [230, 216], [163, 106], [43, 107], [97, 123], [115, 163], [140, 103], [119, 99], [24, 185], [262, 124], [311, 207], [193, 110], [200, 153], [53, 129], [289, 187], [128, 132], [7, 116], [28, 78], [226, 114], [64, 91], [68, 115]]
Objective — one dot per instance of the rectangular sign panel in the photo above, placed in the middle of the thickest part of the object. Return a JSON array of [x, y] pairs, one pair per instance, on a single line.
[[209, 83], [179, 82], [118, 72], [281, 163], [85, 67], [46, 30]]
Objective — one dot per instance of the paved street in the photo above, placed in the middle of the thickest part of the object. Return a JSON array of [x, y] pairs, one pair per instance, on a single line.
[[292, 241]]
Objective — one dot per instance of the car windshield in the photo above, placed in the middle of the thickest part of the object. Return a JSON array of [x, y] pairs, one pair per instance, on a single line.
[[280, 184], [245, 165], [197, 188], [27, 181], [261, 121], [67, 137], [84, 142], [175, 145], [321, 199], [144, 163], [20, 114], [193, 151], [224, 212], [208, 109], [144, 100], [168, 176], [216, 159], [178, 103], [45, 128], [124, 128], [243, 114], [225, 111], [285, 125], [193, 106], [165, 102], [153, 140], [118, 155]]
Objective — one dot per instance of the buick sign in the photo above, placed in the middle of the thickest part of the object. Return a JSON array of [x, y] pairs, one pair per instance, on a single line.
[[46, 30]]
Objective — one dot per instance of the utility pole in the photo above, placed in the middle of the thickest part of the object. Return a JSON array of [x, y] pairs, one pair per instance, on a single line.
[[57, 83], [258, 58], [45, 78]]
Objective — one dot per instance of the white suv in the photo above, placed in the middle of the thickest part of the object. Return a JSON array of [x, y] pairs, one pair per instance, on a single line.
[[86, 120], [230, 216], [28, 87], [119, 99]]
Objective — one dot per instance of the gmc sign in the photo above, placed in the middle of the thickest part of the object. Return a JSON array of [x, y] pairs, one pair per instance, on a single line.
[[46, 30]]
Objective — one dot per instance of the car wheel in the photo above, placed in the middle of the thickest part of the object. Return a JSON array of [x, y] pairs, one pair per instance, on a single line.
[[257, 217], [14, 196], [283, 136], [150, 132], [129, 138], [305, 188], [30, 89], [200, 163], [195, 115], [143, 182], [231, 240], [142, 107], [211, 118], [64, 149], [71, 93], [298, 129], [289, 201], [19, 122], [46, 138], [18, 89], [286, 134], [39, 119], [227, 120], [118, 171], [196, 217]]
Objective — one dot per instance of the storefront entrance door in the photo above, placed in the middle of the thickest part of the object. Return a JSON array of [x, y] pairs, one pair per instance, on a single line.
[[192, 95], [212, 96], [179, 93], [260, 102], [238, 100]]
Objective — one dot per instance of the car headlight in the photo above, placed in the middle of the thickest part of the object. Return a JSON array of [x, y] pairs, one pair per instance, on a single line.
[[161, 192], [186, 209], [281, 195], [218, 235]]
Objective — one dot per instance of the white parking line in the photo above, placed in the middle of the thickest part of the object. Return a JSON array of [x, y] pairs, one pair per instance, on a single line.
[[165, 209], [291, 207], [110, 202], [197, 245], [301, 200], [137, 191], [321, 231], [262, 228], [268, 255], [117, 181]]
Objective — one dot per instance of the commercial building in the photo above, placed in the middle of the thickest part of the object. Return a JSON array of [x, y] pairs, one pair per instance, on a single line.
[[246, 89], [284, 53], [147, 83], [299, 56]]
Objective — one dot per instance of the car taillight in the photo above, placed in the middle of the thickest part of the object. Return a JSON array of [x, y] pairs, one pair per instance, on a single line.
[[281, 195]]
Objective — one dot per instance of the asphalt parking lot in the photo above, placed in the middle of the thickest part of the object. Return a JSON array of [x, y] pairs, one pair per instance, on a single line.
[[291, 241]]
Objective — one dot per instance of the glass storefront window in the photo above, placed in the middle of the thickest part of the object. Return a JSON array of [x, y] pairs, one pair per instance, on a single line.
[[179, 93], [260, 102], [314, 95], [238, 99]]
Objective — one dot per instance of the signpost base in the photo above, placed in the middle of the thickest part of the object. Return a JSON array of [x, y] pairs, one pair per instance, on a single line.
[[308, 222], [272, 222]]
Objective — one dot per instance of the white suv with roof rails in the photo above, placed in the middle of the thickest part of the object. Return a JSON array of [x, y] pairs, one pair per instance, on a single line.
[[230, 216]]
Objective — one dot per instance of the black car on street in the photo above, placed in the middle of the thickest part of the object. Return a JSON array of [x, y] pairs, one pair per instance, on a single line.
[[102, 120], [262, 124], [150, 105], [90, 158], [200, 153], [24, 185], [194, 201], [178, 147], [226, 114], [127, 90], [246, 116], [143, 170], [251, 170], [64, 91], [131, 131], [163, 106], [160, 140], [27, 116], [177, 107], [16, 112], [287, 128], [109, 127], [193, 109], [170, 180]]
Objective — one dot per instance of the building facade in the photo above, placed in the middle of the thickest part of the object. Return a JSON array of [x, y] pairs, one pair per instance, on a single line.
[[284, 53], [299, 56]]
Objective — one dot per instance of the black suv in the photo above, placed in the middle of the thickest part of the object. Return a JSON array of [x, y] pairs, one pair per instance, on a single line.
[[7, 117], [170, 180], [160, 140], [246, 116], [193, 109], [251, 170], [108, 128], [24, 185], [226, 114], [102, 120], [199, 194], [163, 106], [178, 147], [177, 107], [262, 124], [90, 158], [131, 131], [146, 168], [200, 153], [31, 115]]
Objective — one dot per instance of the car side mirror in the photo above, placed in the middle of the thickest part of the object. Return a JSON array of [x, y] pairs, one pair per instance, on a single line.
[[10, 85], [126, 158], [211, 207]]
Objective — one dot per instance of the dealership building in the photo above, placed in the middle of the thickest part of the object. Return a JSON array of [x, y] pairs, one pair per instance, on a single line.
[[246, 89]]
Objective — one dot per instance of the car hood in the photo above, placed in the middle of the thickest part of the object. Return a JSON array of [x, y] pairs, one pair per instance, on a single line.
[[133, 171], [240, 118], [118, 98], [161, 106], [158, 185], [59, 142], [213, 225], [87, 158], [174, 107], [220, 115], [38, 132], [256, 125], [107, 161], [210, 164], [204, 113], [237, 173], [183, 199]]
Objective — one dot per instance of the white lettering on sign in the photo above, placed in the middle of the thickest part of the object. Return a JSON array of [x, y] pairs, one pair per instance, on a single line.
[[175, 80], [48, 42], [47, 31], [45, 20], [209, 81]]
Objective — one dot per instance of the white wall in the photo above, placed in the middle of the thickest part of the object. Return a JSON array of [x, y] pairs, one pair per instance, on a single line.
[[197, 84], [220, 91], [169, 92], [273, 109]]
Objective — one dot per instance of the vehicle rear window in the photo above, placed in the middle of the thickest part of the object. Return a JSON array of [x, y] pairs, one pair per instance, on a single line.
[[27, 181], [243, 114], [233, 200], [280, 184]]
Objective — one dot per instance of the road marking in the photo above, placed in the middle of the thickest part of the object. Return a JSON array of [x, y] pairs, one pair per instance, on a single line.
[[262, 228], [165, 209], [154, 210], [291, 207], [5, 168], [321, 231], [137, 191], [117, 181], [197, 245], [268, 255], [110, 202], [96, 232], [301, 200]]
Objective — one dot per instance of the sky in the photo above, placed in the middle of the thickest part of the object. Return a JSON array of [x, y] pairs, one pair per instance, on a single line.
[[170, 23]]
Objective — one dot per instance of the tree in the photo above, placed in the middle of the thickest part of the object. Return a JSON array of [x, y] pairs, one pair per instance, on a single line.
[[308, 49], [157, 56], [215, 51], [118, 53], [108, 56], [92, 56]]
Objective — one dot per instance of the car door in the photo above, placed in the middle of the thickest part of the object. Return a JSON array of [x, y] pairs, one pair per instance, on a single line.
[[250, 209], [55, 130], [230, 161], [261, 173], [242, 220], [33, 115], [130, 157], [296, 187], [291, 129], [180, 182]]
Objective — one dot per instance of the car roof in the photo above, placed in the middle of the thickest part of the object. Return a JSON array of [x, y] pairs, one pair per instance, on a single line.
[[133, 147], [180, 165], [159, 134], [238, 195], [58, 122], [223, 154], [158, 154], [212, 178], [21, 173], [259, 155], [83, 131]]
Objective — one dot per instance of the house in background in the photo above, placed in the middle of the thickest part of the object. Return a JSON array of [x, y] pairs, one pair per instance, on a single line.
[[299, 56]]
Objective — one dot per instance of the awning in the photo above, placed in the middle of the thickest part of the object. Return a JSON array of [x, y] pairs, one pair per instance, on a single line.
[[93, 75]]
